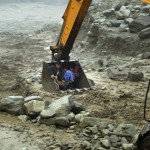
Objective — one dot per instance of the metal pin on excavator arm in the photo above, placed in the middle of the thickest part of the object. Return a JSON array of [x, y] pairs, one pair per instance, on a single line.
[[73, 17]]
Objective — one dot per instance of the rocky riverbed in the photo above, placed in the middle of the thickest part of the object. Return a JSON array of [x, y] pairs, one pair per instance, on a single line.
[[118, 61]]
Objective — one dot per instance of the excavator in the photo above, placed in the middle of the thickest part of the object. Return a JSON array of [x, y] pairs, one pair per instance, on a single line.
[[73, 17]]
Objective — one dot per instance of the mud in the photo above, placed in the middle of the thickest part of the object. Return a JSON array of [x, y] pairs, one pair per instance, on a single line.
[[24, 53]]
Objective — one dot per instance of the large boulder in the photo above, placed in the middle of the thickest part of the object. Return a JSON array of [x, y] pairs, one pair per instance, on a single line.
[[12, 105], [139, 24], [34, 107], [61, 112], [59, 108]]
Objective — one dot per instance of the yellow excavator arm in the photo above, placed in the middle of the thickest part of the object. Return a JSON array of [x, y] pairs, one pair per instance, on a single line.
[[73, 18], [146, 1]]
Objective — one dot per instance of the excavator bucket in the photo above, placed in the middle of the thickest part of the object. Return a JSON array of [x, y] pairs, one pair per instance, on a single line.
[[51, 86]]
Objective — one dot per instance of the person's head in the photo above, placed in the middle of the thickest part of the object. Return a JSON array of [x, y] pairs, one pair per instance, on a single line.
[[58, 65], [65, 68]]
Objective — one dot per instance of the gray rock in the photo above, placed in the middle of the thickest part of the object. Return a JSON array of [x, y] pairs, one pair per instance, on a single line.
[[62, 121], [124, 93], [90, 34], [123, 28], [126, 128], [138, 7], [116, 23], [62, 106], [23, 118], [139, 24], [34, 107], [79, 117], [12, 105], [102, 20], [124, 141], [48, 113], [145, 9], [85, 144], [122, 3], [135, 139], [111, 128], [128, 20], [105, 143], [114, 139], [94, 29], [109, 13], [115, 144], [105, 62], [128, 146], [78, 107], [48, 122], [108, 24], [104, 124], [146, 55], [78, 90], [93, 129], [145, 33], [116, 75], [125, 11], [135, 76], [71, 117], [30, 98], [100, 62], [119, 15], [105, 132]]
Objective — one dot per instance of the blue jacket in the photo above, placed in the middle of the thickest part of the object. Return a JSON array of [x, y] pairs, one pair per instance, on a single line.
[[68, 76]]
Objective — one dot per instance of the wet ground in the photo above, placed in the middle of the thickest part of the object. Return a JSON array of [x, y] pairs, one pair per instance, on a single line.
[[29, 17], [21, 52]]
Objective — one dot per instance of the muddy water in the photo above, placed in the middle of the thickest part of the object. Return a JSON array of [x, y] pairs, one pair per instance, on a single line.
[[12, 140], [29, 17]]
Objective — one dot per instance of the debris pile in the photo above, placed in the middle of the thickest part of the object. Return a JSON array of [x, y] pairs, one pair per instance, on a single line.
[[90, 132], [125, 16]]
